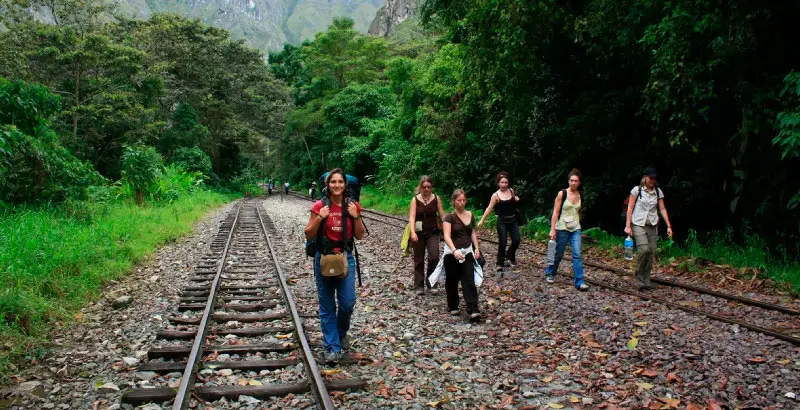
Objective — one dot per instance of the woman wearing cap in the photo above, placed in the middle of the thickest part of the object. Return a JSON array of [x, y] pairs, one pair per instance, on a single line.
[[424, 214], [642, 224]]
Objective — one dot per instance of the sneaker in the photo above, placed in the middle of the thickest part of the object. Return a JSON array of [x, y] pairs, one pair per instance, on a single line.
[[454, 312], [551, 279], [474, 316], [420, 292], [345, 342], [333, 357], [583, 287], [499, 269]]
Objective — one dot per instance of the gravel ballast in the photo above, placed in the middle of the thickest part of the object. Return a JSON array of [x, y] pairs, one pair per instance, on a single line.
[[538, 345]]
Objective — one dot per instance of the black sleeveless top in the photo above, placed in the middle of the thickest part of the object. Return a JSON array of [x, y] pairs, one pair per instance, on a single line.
[[505, 208]]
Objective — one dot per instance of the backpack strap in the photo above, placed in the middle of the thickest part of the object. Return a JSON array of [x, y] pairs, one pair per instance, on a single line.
[[345, 217], [320, 239], [563, 200]]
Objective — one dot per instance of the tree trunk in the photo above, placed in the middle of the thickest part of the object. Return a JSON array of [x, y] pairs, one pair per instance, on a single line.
[[139, 196], [75, 114], [308, 151]]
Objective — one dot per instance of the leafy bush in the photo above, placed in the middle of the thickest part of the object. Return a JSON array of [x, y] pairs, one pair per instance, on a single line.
[[247, 182], [141, 166], [34, 166], [192, 159], [27, 106], [174, 183], [40, 169]]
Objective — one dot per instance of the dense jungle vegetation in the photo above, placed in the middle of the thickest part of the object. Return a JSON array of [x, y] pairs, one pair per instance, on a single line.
[[703, 90]]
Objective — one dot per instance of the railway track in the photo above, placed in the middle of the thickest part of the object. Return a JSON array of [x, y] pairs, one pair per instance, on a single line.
[[779, 321], [237, 330]]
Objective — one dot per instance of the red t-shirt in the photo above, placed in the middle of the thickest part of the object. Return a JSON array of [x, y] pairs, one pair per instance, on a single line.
[[333, 224]]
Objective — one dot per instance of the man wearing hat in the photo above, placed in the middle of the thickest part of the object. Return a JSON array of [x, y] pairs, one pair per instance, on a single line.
[[642, 224]]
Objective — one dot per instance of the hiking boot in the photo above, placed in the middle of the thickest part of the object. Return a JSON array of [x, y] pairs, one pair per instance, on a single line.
[[345, 342], [583, 287], [454, 312], [333, 357], [551, 279]]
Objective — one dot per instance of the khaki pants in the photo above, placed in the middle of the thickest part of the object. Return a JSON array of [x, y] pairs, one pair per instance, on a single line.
[[645, 237]]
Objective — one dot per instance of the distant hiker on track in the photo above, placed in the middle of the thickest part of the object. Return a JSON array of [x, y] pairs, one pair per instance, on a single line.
[[642, 224], [461, 253], [312, 192], [270, 186], [565, 227], [286, 187], [424, 214], [504, 201], [334, 264]]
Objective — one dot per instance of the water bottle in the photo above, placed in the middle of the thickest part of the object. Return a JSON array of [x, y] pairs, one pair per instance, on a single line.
[[628, 249], [551, 253]]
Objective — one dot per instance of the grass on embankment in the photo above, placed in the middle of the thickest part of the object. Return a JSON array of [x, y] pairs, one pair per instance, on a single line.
[[717, 247], [52, 264]]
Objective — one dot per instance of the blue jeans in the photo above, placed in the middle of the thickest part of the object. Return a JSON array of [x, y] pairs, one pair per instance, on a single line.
[[574, 239], [335, 324]]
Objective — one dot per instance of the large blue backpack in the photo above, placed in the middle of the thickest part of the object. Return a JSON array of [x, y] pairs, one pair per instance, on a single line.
[[353, 187]]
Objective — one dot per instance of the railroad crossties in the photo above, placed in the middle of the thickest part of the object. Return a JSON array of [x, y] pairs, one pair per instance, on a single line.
[[539, 345]]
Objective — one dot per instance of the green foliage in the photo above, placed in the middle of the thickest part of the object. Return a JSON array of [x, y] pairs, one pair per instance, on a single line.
[[52, 262], [33, 164], [175, 183], [122, 84], [635, 84], [248, 182], [141, 166], [192, 159], [184, 131], [350, 127], [27, 106]]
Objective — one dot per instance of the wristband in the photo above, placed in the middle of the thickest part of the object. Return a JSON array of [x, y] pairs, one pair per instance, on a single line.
[[357, 217]]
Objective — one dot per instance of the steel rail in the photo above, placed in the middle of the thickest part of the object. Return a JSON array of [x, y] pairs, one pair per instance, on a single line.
[[183, 394], [759, 329], [317, 385]]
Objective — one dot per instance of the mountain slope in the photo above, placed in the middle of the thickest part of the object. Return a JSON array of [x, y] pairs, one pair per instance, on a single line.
[[265, 24]]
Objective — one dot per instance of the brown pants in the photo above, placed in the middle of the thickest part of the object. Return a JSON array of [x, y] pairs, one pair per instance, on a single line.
[[426, 241]]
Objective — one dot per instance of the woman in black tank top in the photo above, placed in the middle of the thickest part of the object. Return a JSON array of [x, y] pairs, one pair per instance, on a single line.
[[504, 201]]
